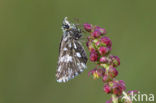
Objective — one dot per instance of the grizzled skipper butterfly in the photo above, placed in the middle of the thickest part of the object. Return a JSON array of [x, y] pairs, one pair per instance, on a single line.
[[72, 56]]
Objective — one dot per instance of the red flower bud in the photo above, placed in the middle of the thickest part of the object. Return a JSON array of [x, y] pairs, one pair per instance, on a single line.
[[103, 50], [87, 27], [101, 72], [93, 56], [106, 41], [106, 78], [96, 34], [97, 72], [117, 90], [97, 43], [107, 88], [115, 61], [91, 47], [92, 50], [122, 83], [101, 30], [118, 87], [103, 59], [112, 72]]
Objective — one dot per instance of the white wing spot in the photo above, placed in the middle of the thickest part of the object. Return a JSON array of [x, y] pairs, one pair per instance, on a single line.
[[65, 39], [65, 49], [59, 68], [69, 45], [59, 80], [78, 64], [78, 54], [63, 79], [75, 46], [66, 58], [76, 73], [70, 72], [69, 58], [81, 70], [83, 65]]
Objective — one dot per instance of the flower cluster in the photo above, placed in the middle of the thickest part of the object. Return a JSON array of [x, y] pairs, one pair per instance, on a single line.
[[100, 47]]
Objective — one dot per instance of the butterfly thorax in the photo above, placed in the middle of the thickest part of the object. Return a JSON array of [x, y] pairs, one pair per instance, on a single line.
[[73, 33]]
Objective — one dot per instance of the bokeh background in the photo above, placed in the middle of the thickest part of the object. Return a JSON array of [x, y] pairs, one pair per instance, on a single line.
[[29, 41]]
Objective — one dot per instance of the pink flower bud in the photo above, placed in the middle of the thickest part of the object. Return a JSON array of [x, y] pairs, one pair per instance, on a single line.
[[101, 30], [117, 90], [113, 72], [101, 72], [115, 61], [97, 28], [106, 78], [95, 34], [103, 59], [87, 27], [93, 56], [97, 43], [91, 47], [97, 72], [106, 41], [122, 83], [92, 50], [107, 88], [103, 50]]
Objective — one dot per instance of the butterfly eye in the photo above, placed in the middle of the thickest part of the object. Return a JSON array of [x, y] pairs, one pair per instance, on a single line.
[[66, 26]]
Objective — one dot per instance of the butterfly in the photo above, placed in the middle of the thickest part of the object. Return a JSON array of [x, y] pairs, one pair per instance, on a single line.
[[72, 56]]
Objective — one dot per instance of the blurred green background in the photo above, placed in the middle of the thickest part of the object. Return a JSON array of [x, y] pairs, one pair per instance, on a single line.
[[29, 41]]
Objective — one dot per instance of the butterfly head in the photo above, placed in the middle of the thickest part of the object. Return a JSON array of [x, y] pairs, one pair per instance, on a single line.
[[70, 29], [66, 25]]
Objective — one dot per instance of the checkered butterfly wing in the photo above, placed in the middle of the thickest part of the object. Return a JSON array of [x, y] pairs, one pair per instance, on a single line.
[[72, 57]]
